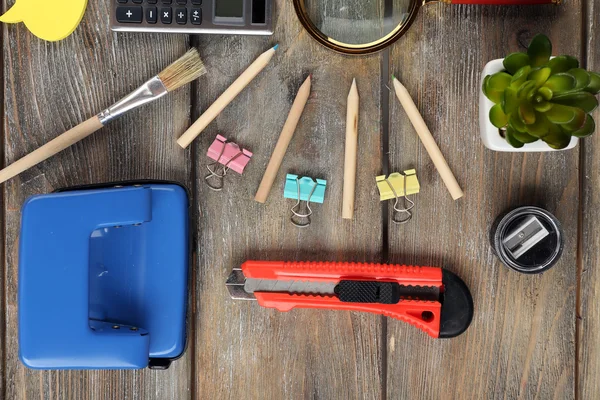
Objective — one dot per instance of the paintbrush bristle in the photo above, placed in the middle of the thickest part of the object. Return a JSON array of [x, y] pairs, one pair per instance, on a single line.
[[183, 71]]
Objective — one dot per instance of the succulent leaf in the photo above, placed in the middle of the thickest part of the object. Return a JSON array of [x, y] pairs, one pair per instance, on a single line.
[[515, 61], [543, 106], [539, 50], [582, 77], [494, 95], [540, 127], [594, 86], [589, 126], [510, 138], [562, 64], [520, 77], [525, 89], [560, 114], [523, 137], [510, 102], [497, 116], [546, 93], [577, 122], [526, 113], [516, 123], [584, 100], [540, 76], [557, 139], [561, 83]]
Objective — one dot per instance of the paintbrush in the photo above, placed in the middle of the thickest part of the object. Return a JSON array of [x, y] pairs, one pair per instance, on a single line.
[[181, 72]]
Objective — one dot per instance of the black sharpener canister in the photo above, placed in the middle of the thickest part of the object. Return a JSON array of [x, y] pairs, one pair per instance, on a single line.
[[527, 239]]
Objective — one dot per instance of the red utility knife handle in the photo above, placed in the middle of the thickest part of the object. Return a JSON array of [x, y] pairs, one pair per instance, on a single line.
[[505, 2], [425, 315]]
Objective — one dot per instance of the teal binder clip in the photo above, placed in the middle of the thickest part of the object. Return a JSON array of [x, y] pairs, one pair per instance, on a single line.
[[303, 189]]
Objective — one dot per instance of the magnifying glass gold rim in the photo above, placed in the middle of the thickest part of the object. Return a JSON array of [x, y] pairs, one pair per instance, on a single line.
[[348, 48]]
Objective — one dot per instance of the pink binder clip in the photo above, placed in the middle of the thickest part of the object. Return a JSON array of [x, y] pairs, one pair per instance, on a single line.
[[227, 155]]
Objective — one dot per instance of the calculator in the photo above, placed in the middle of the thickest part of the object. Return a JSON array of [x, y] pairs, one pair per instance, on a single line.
[[246, 17]]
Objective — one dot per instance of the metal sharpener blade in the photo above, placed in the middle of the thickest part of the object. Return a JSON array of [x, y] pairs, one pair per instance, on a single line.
[[525, 236]]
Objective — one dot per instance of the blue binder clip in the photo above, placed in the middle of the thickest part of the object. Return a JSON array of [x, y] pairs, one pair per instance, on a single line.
[[103, 277], [303, 189]]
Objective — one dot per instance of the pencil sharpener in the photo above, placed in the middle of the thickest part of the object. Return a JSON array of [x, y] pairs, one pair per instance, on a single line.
[[103, 277], [527, 239]]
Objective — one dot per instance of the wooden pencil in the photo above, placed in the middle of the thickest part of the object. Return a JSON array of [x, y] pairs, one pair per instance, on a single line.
[[427, 139], [228, 95], [350, 156], [284, 140]]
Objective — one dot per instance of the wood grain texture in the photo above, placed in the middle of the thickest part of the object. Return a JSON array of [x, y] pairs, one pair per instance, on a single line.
[[243, 350], [589, 308], [521, 343], [51, 87]]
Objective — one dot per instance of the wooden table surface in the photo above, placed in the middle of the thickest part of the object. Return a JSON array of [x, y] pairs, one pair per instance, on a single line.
[[532, 337]]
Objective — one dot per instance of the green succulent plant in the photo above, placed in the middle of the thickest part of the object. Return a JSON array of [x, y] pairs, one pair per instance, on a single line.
[[541, 98]]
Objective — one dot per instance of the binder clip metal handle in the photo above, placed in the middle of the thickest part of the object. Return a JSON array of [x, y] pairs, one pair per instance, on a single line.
[[303, 189], [399, 185], [297, 205], [219, 171]]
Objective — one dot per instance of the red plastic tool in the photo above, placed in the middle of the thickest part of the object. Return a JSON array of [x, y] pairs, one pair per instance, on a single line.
[[432, 299]]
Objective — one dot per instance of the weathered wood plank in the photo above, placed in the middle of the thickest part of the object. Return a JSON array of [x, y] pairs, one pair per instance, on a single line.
[[589, 276], [243, 350], [521, 343], [51, 87]]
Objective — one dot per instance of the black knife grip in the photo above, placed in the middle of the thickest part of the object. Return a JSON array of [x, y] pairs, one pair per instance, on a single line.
[[368, 292]]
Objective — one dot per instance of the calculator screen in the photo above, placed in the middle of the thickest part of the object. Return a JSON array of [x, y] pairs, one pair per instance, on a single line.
[[229, 8]]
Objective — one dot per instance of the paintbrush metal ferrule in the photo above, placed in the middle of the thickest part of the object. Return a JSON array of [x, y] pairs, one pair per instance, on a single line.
[[149, 91]]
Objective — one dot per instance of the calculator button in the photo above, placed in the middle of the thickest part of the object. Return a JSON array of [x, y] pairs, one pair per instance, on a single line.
[[122, 1], [165, 15], [152, 1], [129, 14], [197, 2], [196, 16], [182, 2], [181, 16], [137, 1], [167, 1], [151, 15]]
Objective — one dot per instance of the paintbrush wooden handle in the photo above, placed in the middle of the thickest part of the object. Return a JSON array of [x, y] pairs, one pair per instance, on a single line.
[[54, 146]]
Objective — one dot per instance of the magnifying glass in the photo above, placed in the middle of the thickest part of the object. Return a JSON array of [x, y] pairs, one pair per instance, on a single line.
[[367, 26]]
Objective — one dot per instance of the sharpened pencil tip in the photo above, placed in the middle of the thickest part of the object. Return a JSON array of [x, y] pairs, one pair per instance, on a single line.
[[275, 47], [393, 77]]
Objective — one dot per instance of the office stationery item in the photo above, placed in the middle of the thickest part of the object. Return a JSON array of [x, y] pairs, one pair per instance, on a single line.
[[227, 97], [181, 72], [534, 102], [103, 274], [527, 239], [48, 20], [303, 189], [227, 155], [192, 17], [284, 140], [432, 299], [350, 153], [427, 139], [397, 186], [359, 27]]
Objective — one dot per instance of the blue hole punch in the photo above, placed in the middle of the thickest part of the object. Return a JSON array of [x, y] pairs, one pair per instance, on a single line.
[[103, 277]]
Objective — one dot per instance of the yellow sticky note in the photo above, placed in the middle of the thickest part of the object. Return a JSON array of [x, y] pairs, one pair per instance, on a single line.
[[50, 20]]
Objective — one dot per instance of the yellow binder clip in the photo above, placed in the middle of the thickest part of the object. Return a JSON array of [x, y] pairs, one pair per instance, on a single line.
[[399, 185]]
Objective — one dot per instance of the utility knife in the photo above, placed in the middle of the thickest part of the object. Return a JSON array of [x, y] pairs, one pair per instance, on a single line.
[[432, 299]]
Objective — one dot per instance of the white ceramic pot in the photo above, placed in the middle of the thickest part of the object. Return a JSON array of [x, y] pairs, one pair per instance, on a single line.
[[490, 134]]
